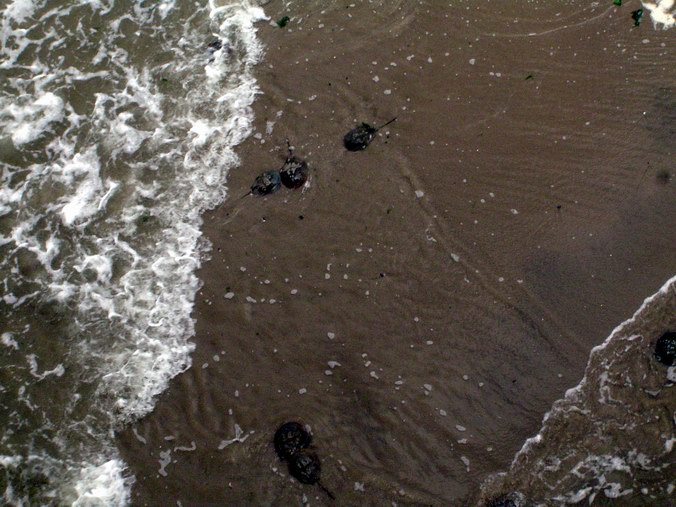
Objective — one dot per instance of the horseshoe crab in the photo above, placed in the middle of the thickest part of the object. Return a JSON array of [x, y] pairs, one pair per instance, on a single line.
[[290, 438], [295, 171], [360, 137], [503, 501], [267, 183], [305, 467], [665, 348], [509, 500], [215, 45]]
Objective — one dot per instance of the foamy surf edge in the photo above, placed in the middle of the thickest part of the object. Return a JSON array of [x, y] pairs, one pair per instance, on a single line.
[[578, 453], [573, 391], [105, 484], [136, 328], [110, 482]]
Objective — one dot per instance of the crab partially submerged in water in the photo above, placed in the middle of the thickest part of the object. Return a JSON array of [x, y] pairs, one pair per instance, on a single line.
[[513, 499], [267, 183], [665, 348], [215, 45]]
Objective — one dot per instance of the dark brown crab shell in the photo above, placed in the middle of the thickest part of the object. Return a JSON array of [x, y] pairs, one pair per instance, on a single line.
[[291, 438], [513, 499], [665, 348], [305, 467], [359, 138], [295, 172], [502, 501], [267, 183]]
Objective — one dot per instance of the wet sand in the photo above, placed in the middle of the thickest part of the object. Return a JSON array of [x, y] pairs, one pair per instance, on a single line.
[[422, 303]]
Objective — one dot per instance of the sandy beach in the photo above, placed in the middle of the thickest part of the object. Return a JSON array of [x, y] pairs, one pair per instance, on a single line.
[[422, 303]]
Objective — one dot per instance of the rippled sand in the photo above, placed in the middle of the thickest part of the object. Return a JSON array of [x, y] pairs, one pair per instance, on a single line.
[[423, 303]]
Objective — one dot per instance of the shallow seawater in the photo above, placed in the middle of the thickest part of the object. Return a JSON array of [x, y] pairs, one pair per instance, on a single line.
[[423, 303], [117, 128], [416, 370]]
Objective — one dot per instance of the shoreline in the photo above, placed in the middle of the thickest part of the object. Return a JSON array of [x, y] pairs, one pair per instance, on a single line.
[[392, 253]]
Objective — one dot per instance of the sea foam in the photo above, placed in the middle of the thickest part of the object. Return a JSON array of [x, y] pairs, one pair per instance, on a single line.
[[105, 484], [662, 13], [611, 432], [113, 159], [26, 123]]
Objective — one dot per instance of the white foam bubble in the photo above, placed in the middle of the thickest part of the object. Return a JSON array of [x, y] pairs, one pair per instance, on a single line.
[[202, 130], [8, 340], [129, 138], [19, 10], [239, 438], [662, 13], [164, 461], [26, 123], [104, 484], [58, 370]]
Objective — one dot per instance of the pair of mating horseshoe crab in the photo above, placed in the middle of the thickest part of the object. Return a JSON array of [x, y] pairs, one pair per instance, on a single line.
[[292, 442], [294, 173]]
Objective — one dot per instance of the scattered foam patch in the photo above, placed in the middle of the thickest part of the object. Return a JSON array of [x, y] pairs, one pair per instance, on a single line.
[[104, 484], [26, 123], [19, 10], [662, 13]]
